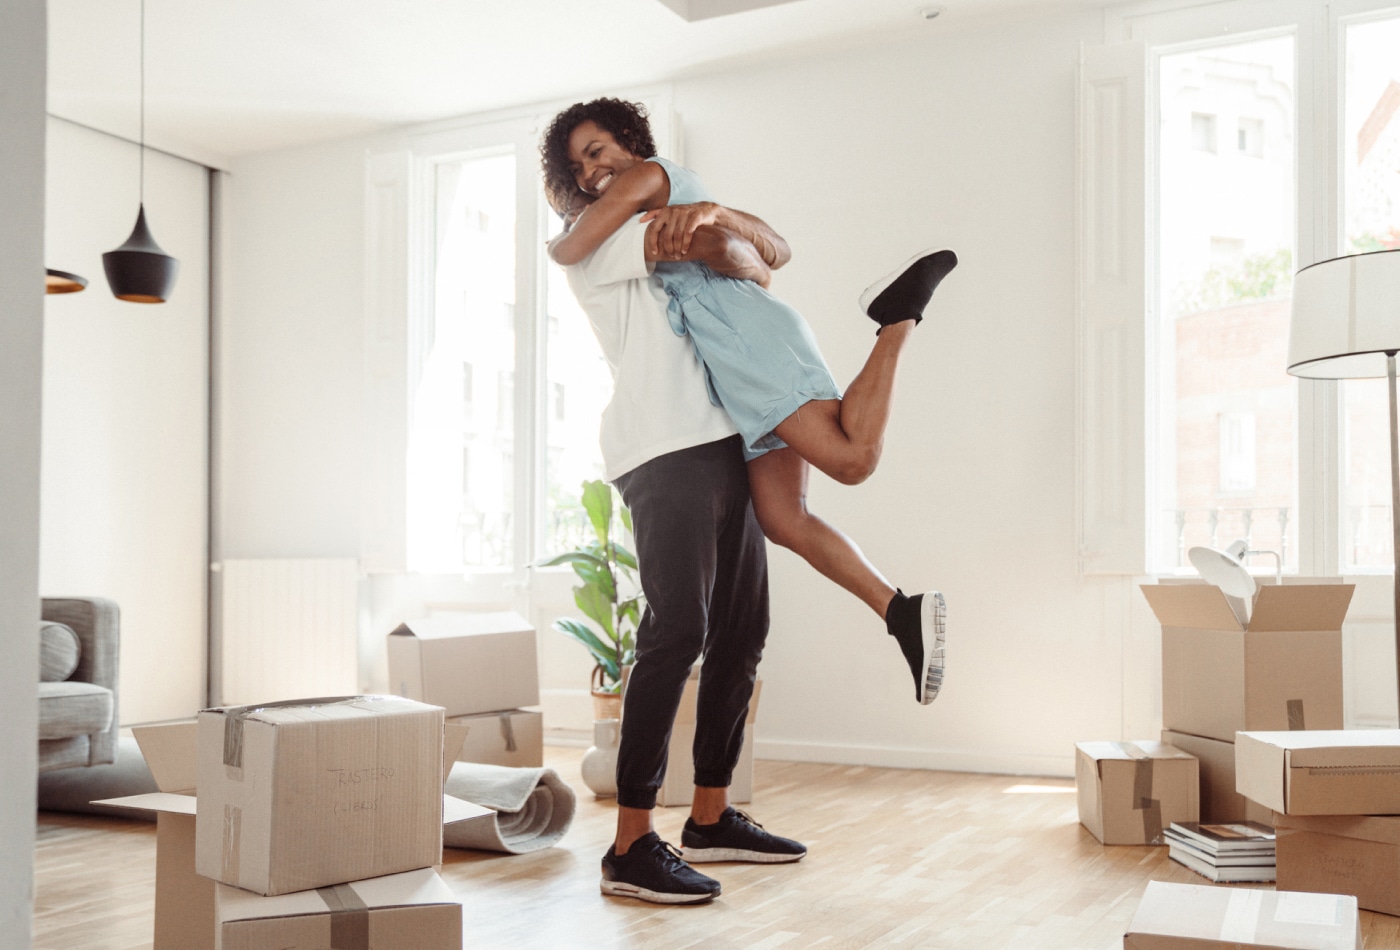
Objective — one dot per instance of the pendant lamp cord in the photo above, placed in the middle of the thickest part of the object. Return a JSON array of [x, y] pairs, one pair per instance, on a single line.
[[143, 102]]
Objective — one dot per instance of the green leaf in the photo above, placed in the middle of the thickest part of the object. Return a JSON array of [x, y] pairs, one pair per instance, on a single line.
[[625, 514], [596, 607], [624, 557], [598, 577], [598, 502], [603, 653], [575, 557]]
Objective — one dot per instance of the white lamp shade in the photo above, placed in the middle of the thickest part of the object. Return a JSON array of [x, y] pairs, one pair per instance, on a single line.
[[1346, 316]]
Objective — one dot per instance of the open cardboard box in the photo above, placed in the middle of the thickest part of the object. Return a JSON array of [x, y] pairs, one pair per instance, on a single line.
[[466, 662], [1129, 791], [412, 910], [1281, 671], [1330, 772], [1341, 854], [184, 905], [1201, 917]]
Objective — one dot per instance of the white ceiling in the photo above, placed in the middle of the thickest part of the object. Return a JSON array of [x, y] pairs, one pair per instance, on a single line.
[[229, 77]]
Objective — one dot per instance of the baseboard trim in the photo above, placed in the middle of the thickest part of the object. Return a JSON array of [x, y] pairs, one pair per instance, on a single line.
[[938, 760]]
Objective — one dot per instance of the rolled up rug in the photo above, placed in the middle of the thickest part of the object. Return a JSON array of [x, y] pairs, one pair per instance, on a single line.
[[534, 808]]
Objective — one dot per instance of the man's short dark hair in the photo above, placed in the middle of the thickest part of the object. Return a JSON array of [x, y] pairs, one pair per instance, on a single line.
[[625, 121]]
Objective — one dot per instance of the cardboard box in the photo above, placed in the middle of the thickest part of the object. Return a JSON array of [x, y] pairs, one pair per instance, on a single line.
[[1129, 791], [1219, 800], [1284, 671], [1201, 917], [184, 908], [466, 663], [1342, 854], [414, 910], [678, 785], [1334, 772], [513, 738], [308, 793]]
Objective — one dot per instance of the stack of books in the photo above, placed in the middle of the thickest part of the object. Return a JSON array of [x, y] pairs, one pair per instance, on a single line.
[[1238, 851]]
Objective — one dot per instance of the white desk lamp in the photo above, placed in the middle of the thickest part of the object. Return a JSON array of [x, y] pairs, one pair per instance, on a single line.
[[1346, 325], [1225, 569]]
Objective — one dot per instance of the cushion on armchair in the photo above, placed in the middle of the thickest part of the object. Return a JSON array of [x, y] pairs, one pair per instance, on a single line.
[[59, 652], [73, 708]]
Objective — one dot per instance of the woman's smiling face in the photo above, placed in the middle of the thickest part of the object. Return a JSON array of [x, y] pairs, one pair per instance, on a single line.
[[595, 157]]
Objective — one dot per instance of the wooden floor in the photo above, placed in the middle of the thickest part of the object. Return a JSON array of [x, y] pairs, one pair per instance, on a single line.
[[897, 859]]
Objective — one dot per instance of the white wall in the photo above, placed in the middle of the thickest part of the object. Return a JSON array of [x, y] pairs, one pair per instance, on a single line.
[[859, 158], [125, 419], [22, 51]]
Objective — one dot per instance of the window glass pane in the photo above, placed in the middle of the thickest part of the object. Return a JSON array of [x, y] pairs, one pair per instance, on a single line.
[[1371, 189], [1226, 457], [578, 388], [461, 442]]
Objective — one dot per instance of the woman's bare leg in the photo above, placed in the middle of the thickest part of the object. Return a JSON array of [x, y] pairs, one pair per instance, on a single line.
[[778, 484], [844, 437]]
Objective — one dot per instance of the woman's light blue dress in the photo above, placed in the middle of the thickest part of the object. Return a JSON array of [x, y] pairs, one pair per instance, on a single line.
[[760, 356]]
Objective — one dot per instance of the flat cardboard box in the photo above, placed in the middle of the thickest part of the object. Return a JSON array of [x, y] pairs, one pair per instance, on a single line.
[[1201, 917], [414, 910], [309, 793], [1129, 791], [513, 738], [467, 663], [1219, 800], [1283, 671], [184, 905], [1332, 772], [678, 785], [1341, 854]]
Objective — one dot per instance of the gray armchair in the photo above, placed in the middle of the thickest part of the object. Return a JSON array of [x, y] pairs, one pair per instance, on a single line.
[[78, 716]]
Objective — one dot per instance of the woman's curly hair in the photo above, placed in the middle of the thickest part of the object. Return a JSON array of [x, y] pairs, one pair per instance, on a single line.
[[626, 121]]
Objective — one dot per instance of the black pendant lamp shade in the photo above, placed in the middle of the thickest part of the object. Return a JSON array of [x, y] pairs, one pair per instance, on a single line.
[[139, 271], [62, 282]]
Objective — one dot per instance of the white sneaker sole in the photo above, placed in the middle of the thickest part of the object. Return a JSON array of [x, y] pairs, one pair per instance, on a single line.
[[711, 855], [623, 889], [933, 618], [879, 287]]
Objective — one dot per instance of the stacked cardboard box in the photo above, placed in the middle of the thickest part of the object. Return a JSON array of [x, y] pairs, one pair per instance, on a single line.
[[1336, 798], [481, 668], [336, 804], [1280, 671]]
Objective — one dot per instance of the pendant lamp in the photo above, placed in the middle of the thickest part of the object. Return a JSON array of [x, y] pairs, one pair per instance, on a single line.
[[140, 271], [62, 282]]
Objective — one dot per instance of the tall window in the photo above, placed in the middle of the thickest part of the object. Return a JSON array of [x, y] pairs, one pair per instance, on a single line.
[[461, 488], [496, 369], [1226, 458], [1371, 222]]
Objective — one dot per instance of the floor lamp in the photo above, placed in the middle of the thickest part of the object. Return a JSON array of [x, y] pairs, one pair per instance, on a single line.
[[1346, 325]]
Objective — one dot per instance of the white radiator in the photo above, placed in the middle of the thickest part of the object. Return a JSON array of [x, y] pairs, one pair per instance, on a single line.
[[288, 629]]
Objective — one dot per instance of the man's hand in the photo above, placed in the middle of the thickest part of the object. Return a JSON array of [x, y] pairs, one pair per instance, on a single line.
[[671, 228]]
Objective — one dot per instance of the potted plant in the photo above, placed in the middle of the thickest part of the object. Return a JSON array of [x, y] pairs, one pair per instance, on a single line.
[[608, 594]]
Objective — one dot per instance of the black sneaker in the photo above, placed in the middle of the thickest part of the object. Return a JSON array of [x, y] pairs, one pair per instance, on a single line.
[[905, 292], [652, 870], [736, 837], [919, 624]]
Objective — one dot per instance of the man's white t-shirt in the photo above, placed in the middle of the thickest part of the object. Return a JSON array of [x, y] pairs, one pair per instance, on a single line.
[[660, 403]]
